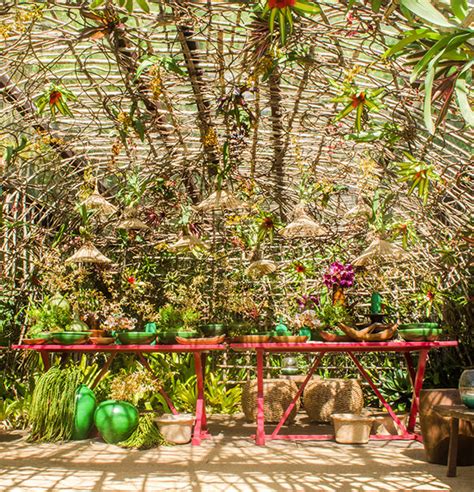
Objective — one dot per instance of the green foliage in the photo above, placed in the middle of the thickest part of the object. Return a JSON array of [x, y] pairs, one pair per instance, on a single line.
[[220, 397], [53, 405], [418, 174], [14, 413], [441, 51], [171, 318], [55, 98], [49, 316], [331, 314], [395, 387], [169, 63], [146, 435], [127, 4], [12, 151]]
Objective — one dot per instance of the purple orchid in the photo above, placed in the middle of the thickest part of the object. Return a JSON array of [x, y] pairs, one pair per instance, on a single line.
[[339, 275], [308, 302]]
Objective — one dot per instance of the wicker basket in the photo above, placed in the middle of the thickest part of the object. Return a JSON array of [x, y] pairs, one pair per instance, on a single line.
[[323, 397], [278, 394]]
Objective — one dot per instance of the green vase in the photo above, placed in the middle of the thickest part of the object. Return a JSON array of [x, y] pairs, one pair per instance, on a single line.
[[84, 412], [305, 332], [115, 420]]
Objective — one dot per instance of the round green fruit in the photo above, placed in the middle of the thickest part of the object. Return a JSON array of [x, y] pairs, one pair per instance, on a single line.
[[115, 420]]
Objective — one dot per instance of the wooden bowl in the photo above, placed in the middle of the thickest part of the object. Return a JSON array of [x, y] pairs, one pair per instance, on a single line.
[[200, 341], [102, 340], [289, 339], [34, 341]]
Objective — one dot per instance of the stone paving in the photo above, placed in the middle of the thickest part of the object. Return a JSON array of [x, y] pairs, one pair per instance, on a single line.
[[227, 462]]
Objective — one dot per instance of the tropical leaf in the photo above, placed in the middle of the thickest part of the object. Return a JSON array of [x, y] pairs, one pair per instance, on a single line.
[[461, 91], [425, 10], [460, 8]]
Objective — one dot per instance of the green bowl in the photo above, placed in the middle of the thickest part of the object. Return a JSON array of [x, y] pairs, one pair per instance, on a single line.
[[169, 337], [69, 338], [420, 332], [136, 337], [213, 329]]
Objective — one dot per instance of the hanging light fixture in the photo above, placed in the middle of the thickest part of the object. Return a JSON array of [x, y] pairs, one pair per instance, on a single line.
[[302, 225], [96, 201], [88, 253], [219, 200], [130, 221], [188, 242], [380, 249]]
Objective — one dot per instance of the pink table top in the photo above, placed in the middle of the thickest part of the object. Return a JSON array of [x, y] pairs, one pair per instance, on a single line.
[[392, 346], [120, 348]]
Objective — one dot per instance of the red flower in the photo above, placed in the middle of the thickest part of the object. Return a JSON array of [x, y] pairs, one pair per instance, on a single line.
[[267, 223], [357, 100], [430, 295], [131, 280], [280, 4], [54, 98], [300, 268]]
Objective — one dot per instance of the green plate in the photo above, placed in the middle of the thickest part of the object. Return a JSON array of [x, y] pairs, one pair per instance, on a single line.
[[69, 338], [412, 326], [169, 337], [136, 337]]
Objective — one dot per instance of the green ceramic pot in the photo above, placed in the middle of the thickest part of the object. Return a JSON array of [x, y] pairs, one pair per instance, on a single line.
[[136, 337], [420, 332], [169, 337], [213, 329], [306, 332], [84, 412], [69, 337], [115, 420]]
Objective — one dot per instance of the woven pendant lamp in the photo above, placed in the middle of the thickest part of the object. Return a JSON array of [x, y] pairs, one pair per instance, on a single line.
[[96, 201], [380, 249], [260, 268], [88, 253], [130, 221], [219, 200], [188, 242], [302, 225], [360, 209]]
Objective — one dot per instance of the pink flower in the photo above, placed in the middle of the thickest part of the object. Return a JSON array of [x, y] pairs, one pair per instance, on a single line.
[[280, 4]]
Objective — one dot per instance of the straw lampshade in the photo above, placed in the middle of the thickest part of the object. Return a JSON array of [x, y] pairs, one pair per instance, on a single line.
[[188, 242], [219, 200], [380, 248], [302, 225], [88, 253], [96, 201], [130, 221], [259, 268]]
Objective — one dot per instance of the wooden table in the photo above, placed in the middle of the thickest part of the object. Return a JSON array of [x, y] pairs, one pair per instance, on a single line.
[[198, 351], [350, 349], [454, 413]]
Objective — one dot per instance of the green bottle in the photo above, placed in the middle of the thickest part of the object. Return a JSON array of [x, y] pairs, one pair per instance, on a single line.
[[375, 303]]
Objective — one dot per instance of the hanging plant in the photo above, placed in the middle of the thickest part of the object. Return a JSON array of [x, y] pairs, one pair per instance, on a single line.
[[127, 4], [55, 98], [418, 174], [362, 102], [283, 13]]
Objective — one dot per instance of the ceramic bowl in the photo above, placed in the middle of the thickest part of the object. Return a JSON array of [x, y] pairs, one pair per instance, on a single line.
[[136, 337], [69, 338]]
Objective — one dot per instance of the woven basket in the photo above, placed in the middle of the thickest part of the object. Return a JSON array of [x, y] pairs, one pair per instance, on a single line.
[[323, 397], [278, 394]]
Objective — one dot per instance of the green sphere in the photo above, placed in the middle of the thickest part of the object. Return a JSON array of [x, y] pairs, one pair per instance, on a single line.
[[84, 413], [115, 420]]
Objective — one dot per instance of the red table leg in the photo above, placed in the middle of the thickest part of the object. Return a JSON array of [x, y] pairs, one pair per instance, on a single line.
[[201, 419], [377, 392], [297, 396], [411, 367], [418, 385], [103, 370], [260, 437], [46, 361], [163, 393]]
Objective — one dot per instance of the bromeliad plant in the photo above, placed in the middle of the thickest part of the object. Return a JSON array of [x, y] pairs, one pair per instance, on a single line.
[[360, 101], [55, 98], [441, 50], [418, 174], [283, 12]]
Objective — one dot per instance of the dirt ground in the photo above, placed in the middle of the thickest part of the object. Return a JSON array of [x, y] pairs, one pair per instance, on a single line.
[[229, 461]]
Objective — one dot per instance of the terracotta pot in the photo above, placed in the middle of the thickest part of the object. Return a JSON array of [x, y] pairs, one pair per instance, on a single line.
[[435, 428]]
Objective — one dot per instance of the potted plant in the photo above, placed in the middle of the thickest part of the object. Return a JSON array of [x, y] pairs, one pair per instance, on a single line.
[[124, 329], [173, 322], [330, 315]]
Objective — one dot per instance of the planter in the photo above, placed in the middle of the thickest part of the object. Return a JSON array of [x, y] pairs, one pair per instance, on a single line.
[[69, 338], [420, 332], [135, 337], [383, 424], [169, 337], [351, 429], [466, 387], [176, 429], [115, 420], [435, 428], [279, 393], [84, 412], [325, 397], [213, 329]]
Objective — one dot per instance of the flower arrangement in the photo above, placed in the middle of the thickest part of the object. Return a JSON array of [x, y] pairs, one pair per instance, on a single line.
[[119, 322], [339, 275], [306, 302]]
